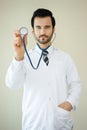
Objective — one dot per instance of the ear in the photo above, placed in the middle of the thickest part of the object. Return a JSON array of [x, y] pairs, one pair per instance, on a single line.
[[54, 30], [32, 30]]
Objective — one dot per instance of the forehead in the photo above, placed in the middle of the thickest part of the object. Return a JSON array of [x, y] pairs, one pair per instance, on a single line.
[[42, 21]]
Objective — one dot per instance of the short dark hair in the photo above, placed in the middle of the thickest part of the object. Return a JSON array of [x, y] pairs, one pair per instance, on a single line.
[[41, 12]]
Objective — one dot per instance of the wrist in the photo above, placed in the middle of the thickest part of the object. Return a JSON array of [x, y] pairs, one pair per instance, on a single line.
[[19, 58]]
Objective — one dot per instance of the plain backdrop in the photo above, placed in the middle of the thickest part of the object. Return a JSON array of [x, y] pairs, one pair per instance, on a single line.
[[71, 36]]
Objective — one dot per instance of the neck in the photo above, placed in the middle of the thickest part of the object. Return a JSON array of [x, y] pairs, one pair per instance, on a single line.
[[43, 46]]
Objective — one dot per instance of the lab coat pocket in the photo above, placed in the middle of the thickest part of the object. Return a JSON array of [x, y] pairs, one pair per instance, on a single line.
[[62, 119], [63, 111]]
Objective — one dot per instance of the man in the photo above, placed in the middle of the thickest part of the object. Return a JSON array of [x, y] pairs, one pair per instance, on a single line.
[[52, 89]]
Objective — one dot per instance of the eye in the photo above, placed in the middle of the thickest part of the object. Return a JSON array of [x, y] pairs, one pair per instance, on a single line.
[[38, 27], [47, 27]]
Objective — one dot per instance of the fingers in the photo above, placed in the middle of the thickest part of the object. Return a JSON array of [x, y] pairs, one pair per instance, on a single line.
[[17, 33], [18, 45], [17, 38]]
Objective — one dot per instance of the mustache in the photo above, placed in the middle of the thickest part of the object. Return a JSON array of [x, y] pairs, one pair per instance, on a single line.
[[43, 36]]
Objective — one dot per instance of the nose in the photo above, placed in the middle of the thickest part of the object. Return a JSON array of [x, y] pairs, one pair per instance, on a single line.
[[42, 31]]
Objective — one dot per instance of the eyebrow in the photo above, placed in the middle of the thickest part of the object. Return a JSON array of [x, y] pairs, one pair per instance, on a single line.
[[44, 26]]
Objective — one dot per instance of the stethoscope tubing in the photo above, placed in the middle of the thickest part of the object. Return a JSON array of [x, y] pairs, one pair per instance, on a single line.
[[29, 56]]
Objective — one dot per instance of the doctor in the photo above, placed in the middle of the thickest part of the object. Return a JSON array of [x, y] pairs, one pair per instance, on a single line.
[[53, 89]]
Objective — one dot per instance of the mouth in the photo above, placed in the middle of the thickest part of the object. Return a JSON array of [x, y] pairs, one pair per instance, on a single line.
[[43, 36]]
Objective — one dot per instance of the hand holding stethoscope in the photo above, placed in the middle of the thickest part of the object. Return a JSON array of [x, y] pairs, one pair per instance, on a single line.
[[20, 46], [24, 32]]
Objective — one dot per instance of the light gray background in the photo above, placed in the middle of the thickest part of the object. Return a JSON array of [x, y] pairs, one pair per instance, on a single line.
[[71, 31]]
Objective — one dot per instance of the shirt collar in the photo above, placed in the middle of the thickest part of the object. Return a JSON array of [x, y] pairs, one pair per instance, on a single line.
[[39, 50]]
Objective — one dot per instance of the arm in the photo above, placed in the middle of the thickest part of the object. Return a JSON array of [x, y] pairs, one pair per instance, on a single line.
[[74, 87], [16, 72]]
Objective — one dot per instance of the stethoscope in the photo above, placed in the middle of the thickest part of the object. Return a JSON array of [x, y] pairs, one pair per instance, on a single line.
[[24, 32]]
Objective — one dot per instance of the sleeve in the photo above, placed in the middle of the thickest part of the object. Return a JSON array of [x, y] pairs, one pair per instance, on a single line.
[[16, 74], [74, 84]]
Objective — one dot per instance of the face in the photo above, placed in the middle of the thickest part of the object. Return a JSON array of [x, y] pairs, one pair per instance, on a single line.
[[43, 30]]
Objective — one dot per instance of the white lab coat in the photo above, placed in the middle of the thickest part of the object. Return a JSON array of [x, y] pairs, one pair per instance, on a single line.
[[45, 88]]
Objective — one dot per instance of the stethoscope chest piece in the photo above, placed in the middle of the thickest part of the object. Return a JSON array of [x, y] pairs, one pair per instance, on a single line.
[[23, 31]]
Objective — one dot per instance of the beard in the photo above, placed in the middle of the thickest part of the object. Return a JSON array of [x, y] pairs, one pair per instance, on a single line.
[[44, 39]]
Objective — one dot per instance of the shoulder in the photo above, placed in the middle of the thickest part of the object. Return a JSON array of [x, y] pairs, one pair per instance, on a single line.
[[63, 56], [61, 53]]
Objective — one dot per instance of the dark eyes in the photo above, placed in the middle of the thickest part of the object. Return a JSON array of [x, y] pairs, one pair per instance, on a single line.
[[46, 27], [38, 27]]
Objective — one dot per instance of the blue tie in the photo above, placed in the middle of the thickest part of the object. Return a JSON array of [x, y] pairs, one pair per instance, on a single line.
[[45, 58]]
